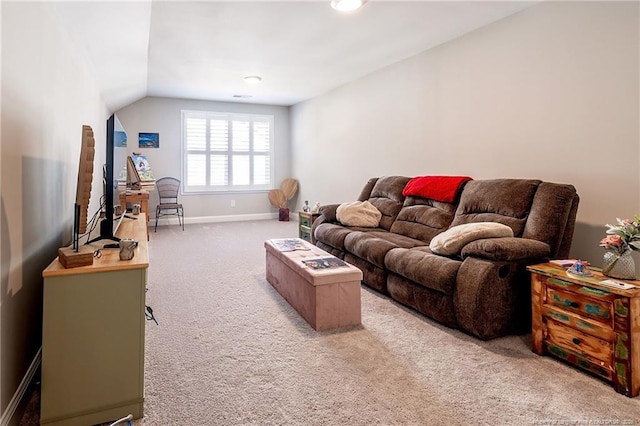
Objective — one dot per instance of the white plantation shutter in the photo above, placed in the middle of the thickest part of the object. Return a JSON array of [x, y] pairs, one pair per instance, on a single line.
[[219, 145], [241, 136], [196, 145], [262, 136], [224, 151]]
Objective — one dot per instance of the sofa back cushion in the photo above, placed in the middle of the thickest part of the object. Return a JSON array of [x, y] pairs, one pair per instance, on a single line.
[[366, 191], [386, 196], [552, 217], [423, 218], [506, 201]]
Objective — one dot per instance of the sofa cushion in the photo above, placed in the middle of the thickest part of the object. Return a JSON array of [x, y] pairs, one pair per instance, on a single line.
[[552, 217], [332, 235], [358, 213], [366, 190], [397, 239], [387, 196], [506, 201], [423, 218], [423, 267], [451, 241], [373, 246]]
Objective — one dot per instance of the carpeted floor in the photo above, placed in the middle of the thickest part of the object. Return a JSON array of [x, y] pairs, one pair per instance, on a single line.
[[228, 350]]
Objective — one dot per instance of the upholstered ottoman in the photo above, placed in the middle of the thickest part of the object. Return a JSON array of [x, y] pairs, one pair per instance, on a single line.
[[326, 298]]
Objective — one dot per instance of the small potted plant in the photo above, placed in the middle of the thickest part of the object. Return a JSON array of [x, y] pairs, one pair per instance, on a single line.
[[279, 198], [621, 239]]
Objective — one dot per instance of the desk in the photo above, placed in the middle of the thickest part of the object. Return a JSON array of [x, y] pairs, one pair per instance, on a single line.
[[140, 196], [93, 336]]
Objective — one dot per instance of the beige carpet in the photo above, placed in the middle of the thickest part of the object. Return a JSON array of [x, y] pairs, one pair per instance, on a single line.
[[229, 350]]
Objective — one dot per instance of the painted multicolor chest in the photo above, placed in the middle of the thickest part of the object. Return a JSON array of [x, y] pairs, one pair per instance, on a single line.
[[587, 323]]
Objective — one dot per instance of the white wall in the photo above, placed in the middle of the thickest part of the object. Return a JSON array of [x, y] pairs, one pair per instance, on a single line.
[[550, 93], [48, 93], [163, 116]]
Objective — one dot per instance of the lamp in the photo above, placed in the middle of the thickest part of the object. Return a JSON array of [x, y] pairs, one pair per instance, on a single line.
[[347, 5]]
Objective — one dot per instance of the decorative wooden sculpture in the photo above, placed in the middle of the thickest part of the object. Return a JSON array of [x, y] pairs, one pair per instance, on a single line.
[[71, 257], [85, 176]]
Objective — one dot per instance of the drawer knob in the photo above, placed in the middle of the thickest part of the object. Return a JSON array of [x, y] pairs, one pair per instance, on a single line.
[[575, 341]]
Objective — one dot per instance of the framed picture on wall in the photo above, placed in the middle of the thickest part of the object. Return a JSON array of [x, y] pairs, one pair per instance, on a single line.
[[148, 140]]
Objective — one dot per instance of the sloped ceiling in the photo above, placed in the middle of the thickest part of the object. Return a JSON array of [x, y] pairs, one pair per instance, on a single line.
[[301, 49]]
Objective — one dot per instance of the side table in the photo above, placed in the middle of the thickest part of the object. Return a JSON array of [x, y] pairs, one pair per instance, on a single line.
[[304, 227], [588, 323], [136, 196]]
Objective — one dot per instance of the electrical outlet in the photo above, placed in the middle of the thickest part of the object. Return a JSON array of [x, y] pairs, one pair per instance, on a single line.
[[233, 203]]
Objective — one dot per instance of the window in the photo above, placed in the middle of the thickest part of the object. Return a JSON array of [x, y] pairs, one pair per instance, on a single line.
[[226, 152]]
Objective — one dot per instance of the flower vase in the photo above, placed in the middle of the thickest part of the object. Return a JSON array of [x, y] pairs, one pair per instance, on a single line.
[[621, 266]]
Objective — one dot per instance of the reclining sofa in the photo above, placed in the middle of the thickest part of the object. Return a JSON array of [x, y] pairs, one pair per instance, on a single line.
[[483, 287]]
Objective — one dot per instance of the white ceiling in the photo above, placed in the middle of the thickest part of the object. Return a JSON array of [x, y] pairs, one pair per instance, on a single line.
[[201, 50]]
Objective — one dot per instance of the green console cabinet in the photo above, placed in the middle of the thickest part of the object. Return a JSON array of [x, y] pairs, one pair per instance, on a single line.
[[93, 335]]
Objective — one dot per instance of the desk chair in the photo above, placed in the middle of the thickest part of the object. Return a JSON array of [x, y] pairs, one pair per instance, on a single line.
[[168, 188]]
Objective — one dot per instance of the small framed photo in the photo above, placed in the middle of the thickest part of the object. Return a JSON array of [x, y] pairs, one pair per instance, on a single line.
[[148, 140]]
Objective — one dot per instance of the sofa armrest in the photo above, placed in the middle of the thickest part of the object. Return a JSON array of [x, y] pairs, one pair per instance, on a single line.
[[328, 213], [493, 298], [507, 249]]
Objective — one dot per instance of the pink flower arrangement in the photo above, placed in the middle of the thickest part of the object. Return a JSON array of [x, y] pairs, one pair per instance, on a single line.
[[623, 237]]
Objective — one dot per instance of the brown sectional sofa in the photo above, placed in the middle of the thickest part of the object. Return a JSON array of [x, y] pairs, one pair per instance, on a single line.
[[485, 289]]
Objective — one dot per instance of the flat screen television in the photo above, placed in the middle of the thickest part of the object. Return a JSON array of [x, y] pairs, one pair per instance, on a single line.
[[115, 162]]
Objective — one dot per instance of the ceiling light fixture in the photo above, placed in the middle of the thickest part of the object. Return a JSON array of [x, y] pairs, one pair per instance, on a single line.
[[252, 79], [347, 5]]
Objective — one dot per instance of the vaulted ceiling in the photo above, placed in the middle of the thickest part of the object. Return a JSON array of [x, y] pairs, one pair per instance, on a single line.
[[301, 49]]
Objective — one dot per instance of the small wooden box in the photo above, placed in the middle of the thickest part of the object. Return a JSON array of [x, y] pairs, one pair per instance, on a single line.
[[71, 259]]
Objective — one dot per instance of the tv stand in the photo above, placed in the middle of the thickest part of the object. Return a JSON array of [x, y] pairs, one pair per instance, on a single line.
[[106, 233], [93, 336]]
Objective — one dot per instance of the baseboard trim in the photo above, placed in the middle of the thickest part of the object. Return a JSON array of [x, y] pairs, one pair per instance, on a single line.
[[7, 415], [212, 219]]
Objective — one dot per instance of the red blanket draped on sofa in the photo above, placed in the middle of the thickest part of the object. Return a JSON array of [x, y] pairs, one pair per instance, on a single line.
[[439, 188]]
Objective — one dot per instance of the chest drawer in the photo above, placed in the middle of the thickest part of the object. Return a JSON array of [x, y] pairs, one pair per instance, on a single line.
[[305, 233], [595, 350], [572, 320], [306, 221], [581, 304], [587, 323]]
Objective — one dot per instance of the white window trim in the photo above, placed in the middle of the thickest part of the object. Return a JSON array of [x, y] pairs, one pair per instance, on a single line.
[[209, 189]]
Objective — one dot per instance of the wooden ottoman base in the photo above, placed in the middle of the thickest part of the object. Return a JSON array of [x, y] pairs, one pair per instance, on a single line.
[[327, 298]]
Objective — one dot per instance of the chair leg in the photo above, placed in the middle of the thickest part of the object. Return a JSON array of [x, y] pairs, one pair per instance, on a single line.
[[157, 218]]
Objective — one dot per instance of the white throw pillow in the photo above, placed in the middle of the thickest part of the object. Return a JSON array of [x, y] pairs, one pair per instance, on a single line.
[[358, 213], [451, 241]]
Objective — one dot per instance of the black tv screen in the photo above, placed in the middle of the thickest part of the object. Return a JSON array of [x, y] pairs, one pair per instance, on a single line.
[[115, 165]]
